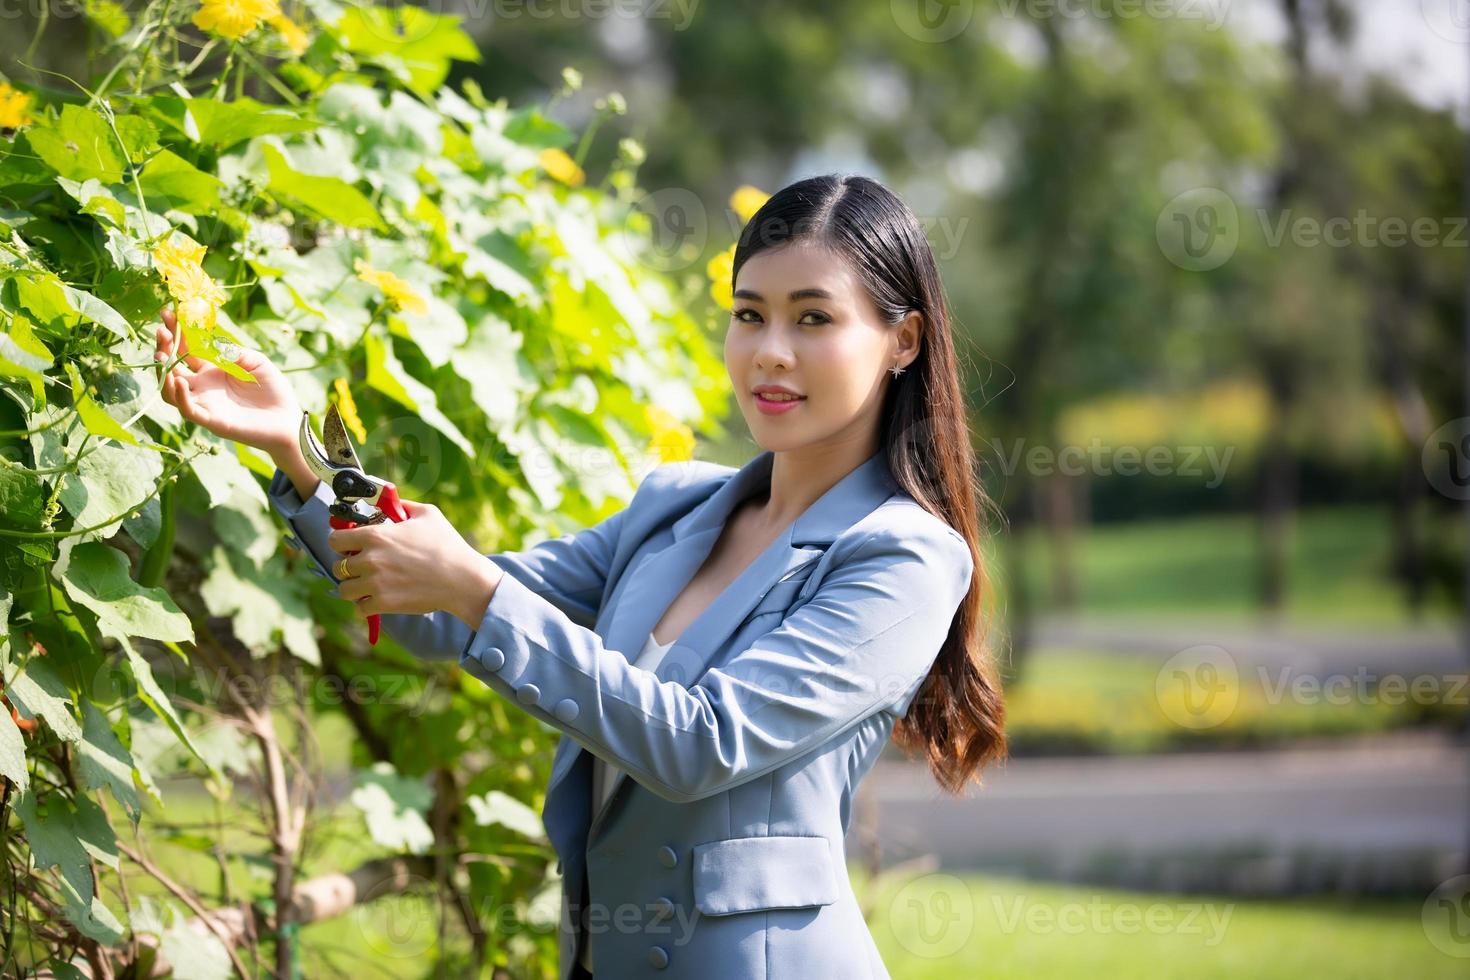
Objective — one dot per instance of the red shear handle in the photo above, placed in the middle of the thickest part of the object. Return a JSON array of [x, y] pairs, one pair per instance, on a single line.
[[392, 508]]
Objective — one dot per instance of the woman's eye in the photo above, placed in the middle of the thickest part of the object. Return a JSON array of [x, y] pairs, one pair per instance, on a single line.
[[740, 313], [821, 317]]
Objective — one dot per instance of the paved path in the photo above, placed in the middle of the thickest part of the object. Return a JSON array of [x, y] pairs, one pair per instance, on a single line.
[[1385, 813]]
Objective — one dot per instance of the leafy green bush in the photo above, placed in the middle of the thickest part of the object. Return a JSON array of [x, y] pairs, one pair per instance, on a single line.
[[430, 260]]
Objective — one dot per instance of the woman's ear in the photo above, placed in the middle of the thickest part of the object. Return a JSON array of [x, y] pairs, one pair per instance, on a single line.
[[910, 332]]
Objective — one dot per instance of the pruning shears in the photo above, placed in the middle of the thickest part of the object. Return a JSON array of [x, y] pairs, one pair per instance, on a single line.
[[361, 498]]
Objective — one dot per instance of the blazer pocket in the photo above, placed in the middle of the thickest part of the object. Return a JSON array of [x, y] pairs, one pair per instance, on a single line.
[[749, 874]]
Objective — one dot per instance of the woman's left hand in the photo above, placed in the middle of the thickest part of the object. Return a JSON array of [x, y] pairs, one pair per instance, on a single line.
[[420, 565]]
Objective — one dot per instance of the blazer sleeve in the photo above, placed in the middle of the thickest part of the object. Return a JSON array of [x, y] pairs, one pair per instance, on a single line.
[[568, 572], [862, 641]]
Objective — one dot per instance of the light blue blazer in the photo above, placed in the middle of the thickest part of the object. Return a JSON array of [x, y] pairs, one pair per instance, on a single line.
[[722, 857]]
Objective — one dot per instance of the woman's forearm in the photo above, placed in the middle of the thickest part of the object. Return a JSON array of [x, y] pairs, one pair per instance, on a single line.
[[290, 461]]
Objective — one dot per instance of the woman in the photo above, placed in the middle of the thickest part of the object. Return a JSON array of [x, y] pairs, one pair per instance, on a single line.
[[741, 643]]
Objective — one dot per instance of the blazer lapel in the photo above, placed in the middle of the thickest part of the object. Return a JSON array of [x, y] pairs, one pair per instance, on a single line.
[[661, 576]]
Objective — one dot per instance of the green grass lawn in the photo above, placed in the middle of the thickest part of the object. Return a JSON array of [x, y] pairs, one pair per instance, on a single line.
[[926, 924], [940, 926], [1205, 568]]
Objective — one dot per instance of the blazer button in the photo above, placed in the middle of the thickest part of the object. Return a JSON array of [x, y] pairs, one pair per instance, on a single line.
[[493, 658], [663, 908], [566, 710], [668, 857], [527, 694], [658, 957]]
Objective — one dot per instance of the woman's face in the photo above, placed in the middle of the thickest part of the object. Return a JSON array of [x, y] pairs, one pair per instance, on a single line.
[[803, 320]]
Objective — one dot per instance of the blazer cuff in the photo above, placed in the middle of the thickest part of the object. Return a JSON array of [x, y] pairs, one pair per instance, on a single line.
[[309, 521]]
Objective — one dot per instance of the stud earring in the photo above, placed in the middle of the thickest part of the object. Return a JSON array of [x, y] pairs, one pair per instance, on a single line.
[[896, 370]]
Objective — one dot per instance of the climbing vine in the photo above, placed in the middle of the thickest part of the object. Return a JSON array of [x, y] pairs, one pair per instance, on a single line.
[[440, 266]]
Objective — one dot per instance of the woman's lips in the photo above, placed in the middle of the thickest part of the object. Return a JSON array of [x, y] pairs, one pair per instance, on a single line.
[[770, 406]]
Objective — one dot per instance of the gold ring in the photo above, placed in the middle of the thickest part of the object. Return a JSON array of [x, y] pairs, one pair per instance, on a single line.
[[342, 567]]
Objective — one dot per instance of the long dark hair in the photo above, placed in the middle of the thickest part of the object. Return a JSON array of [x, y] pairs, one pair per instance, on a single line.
[[958, 717]]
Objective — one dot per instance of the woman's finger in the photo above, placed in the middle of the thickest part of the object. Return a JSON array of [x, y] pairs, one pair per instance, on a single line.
[[347, 539], [190, 408], [180, 343]]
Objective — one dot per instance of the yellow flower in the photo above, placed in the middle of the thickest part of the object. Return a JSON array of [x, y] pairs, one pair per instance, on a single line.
[[177, 254], [347, 408], [721, 271], [562, 167], [672, 439], [400, 293], [234, 18], [291, 32], [13, 105], [747, 201], [197, 297]]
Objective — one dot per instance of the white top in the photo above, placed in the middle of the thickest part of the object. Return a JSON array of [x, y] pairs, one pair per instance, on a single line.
[[602, 774]]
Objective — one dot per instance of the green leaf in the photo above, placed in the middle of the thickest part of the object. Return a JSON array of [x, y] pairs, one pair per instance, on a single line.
[[223, 124], [78, 144], [22, 355], [111, 479], [170, 181], [64, 836], [409, 41], [13, 752], [97, 577], [264, 603], [503, 264], [529, 127], [153, 696], [496, 807], [94, 416], [37, 692], [394, 808], [386, 374], [92, 308], [333, 199], [105, 762]]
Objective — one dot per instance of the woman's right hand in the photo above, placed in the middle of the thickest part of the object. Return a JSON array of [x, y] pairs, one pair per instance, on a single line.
[[263, 413]]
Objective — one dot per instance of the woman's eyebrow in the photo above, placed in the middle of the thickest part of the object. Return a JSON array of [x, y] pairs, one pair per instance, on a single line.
[[811, 292]]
